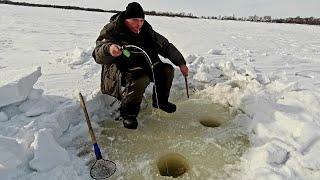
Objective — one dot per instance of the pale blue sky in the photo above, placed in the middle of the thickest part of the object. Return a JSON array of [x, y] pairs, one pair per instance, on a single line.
[[275, 8]]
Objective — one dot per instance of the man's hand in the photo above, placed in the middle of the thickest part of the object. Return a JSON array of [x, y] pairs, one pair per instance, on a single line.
[[115, 50], [184, 70]]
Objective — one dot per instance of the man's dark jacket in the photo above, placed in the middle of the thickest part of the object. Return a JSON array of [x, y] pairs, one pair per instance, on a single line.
[[116, 32]]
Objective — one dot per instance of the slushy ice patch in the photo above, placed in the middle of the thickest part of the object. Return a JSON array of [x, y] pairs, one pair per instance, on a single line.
[[146, 153]]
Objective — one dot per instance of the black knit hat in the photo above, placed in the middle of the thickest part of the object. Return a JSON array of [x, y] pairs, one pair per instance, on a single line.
[[134, 10]]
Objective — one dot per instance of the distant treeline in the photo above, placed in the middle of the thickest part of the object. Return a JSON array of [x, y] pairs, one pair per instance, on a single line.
[[151, 13], [55, 6], [170, 14], [255, 18], [299, 20], [292, 20]]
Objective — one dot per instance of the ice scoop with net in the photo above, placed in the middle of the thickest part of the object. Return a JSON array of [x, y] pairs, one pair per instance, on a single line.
[[102, 168]]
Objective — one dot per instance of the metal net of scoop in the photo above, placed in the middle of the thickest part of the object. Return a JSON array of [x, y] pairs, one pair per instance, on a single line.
[[102, 169]]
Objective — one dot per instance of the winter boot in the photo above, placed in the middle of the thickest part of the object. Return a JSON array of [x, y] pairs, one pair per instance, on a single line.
[[166, 107], [128, 115], [130, 122]]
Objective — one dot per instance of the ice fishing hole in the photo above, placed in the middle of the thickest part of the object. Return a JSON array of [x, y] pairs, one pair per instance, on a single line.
[[172, 164], [209, 121]]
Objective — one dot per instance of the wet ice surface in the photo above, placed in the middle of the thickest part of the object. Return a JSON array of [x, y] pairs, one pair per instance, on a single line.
[[137, 152]]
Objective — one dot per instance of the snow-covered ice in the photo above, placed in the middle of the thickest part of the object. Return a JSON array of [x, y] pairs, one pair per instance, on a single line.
[[215, 52], [3, 116], [268, 72], [12, 153]]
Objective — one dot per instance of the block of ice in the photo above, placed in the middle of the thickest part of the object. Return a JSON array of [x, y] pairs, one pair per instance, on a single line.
[[48, 154], [15, 85]]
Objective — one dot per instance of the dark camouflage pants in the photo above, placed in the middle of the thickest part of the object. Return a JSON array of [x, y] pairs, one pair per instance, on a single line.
[[136, 80]]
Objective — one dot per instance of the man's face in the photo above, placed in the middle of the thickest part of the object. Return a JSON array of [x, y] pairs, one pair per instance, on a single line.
[[134, 24]]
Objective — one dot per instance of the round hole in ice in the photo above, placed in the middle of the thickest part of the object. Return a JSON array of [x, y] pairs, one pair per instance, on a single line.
[[172, 164], [209, 121]]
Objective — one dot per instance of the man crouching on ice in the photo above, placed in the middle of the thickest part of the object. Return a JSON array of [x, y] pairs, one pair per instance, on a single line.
[[133, 72]]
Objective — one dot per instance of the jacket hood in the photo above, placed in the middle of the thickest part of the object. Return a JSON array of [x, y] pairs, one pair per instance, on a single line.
[[116, 16]]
